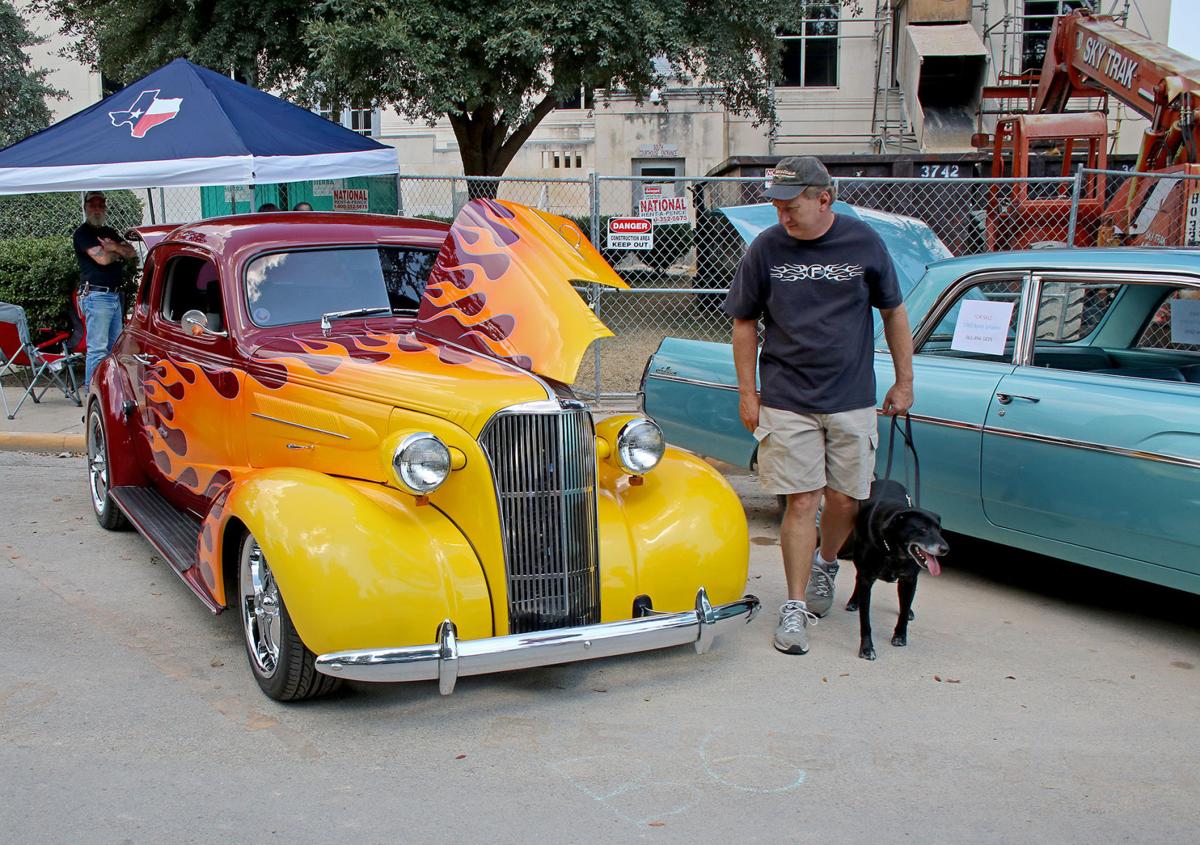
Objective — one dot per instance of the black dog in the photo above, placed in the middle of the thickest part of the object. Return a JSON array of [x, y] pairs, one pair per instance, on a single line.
[[892, 541]]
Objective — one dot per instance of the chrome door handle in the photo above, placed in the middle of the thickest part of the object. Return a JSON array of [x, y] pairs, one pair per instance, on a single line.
[[144, 359], [1005, 398]]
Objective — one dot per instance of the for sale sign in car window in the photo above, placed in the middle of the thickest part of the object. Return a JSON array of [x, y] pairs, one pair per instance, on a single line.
[[982, 326]]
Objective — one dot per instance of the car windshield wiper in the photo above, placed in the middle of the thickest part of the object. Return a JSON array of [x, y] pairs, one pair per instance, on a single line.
[[328, 316]]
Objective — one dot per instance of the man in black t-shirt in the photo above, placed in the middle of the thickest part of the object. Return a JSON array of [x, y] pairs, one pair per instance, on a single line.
[[813, 279], [100, 252]]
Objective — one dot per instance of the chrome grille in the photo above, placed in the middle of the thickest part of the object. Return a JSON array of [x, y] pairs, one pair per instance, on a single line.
[[544, 468]]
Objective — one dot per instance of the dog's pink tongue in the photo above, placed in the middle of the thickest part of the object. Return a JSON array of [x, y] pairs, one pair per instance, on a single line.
[[935, 568]]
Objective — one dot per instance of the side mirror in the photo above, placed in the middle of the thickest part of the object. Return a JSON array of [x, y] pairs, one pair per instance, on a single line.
[[196, 324]]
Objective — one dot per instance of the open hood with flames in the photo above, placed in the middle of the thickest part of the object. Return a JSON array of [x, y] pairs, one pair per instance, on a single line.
[[503, 285]]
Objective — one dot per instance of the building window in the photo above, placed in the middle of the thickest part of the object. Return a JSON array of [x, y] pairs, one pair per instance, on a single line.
[[556, 159], [584, 98], [1036, 24], [363, 121], [809, 57]]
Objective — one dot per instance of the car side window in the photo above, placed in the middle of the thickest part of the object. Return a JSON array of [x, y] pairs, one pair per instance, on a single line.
[[406, 272], [145, 282], [192, 284], [1168, 327], [981, 323], [1070, 311]]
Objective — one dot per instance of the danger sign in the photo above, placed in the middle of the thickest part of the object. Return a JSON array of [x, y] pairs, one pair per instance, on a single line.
[[661, 210], [629, 233]]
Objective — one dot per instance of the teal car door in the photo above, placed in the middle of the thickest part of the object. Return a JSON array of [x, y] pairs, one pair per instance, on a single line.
[[1093, 442], [953, 385]]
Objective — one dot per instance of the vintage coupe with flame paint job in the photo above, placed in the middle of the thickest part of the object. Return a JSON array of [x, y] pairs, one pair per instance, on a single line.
[[354, 430]]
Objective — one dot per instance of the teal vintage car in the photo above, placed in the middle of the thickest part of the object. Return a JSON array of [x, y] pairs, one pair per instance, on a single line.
[[1057, 403]]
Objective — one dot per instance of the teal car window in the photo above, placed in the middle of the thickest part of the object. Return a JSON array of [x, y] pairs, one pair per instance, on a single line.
[[1070, 311], [1157, 333], [941, 341]]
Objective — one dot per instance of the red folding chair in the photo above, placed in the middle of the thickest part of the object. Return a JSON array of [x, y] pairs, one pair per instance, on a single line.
[[40, 368]]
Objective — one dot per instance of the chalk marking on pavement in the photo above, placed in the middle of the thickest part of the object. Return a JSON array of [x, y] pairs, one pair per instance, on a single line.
[[772, 759], [640, 782]]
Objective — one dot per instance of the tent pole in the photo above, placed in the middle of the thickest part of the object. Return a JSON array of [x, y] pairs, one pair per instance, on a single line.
[[150, 197]]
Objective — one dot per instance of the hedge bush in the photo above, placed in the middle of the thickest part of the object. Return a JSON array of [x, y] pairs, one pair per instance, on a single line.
[[39, 274]]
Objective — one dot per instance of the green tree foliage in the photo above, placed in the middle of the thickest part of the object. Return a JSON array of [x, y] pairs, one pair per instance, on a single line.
[[260, 41], [23, 89], [495, 70]]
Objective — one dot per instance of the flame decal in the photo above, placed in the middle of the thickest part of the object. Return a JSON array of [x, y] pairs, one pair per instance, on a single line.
[[207, 557], [223, 381], [502, 286], [181, 407]]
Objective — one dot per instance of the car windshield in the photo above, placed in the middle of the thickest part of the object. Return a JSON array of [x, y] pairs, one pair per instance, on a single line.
[[299, 286]]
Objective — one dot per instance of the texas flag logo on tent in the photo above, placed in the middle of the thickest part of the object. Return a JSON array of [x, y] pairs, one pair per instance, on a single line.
[[146, 112]]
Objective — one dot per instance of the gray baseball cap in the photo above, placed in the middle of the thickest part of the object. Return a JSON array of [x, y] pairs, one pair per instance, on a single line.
[[795, 173]]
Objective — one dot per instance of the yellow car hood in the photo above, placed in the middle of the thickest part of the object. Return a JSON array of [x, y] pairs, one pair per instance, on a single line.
[[502, 285], [402, 369]]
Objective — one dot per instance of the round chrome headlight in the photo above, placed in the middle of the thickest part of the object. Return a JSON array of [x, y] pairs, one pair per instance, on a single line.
[[421, 463], [640, 446]]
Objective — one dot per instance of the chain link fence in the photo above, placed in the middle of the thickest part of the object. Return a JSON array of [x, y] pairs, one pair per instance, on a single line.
[[1124, 208], [679, 275]]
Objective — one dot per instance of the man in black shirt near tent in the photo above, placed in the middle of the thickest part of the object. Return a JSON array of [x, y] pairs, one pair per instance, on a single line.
[[100, 252]]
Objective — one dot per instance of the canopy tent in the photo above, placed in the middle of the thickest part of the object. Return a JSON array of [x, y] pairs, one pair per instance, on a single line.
[[186, 126]]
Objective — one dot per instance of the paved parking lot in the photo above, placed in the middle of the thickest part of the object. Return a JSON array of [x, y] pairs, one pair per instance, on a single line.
[[1036, 702]]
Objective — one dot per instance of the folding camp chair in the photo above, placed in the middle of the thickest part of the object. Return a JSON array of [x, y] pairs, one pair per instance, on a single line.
[[42, 368]]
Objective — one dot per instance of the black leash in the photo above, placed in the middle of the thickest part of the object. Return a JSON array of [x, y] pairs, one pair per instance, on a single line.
[[906, 433]]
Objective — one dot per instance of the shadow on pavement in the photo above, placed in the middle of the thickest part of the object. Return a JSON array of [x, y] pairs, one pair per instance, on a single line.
[[1079, 585]]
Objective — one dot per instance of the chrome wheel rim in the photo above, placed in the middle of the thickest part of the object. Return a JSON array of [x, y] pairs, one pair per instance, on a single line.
[[97, 462], [261, 607]]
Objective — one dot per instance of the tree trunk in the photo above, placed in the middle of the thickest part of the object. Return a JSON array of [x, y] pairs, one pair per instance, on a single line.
[[487, 146]]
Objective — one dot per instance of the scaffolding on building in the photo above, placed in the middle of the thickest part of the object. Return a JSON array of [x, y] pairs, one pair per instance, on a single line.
[[1011, 38]]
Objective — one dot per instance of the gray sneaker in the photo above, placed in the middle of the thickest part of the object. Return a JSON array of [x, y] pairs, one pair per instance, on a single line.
[[791, 637], [819, 593]]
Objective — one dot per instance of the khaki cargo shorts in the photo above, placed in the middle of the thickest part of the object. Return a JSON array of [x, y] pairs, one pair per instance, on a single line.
[[799, 453]]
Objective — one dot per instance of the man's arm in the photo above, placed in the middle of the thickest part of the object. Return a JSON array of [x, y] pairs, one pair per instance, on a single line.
[[899, 340], [118, 248], [101, 255], [745, 361]]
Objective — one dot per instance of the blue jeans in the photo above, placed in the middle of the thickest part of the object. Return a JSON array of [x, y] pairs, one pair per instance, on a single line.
[[102, 317]]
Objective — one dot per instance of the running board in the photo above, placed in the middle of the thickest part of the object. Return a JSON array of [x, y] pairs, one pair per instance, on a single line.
[[174, 534]]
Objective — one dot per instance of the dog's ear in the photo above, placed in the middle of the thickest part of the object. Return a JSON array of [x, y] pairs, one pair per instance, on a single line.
[[894, 519]]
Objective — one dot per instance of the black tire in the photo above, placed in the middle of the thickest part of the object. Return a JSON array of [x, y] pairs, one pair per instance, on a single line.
[[283, 666], [107, 513]]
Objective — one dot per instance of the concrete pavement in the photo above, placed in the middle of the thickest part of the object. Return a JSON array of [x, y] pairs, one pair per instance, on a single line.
[[52, 425], [1036, 702]]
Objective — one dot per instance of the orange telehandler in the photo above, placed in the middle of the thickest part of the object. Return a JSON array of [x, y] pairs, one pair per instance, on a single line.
[[1093, 56]]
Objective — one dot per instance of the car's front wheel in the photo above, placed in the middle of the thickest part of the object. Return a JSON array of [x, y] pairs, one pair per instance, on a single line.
[[282, 665], [107, 513]]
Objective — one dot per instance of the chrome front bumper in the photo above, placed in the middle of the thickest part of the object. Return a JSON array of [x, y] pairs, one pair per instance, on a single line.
[[448, 659]]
